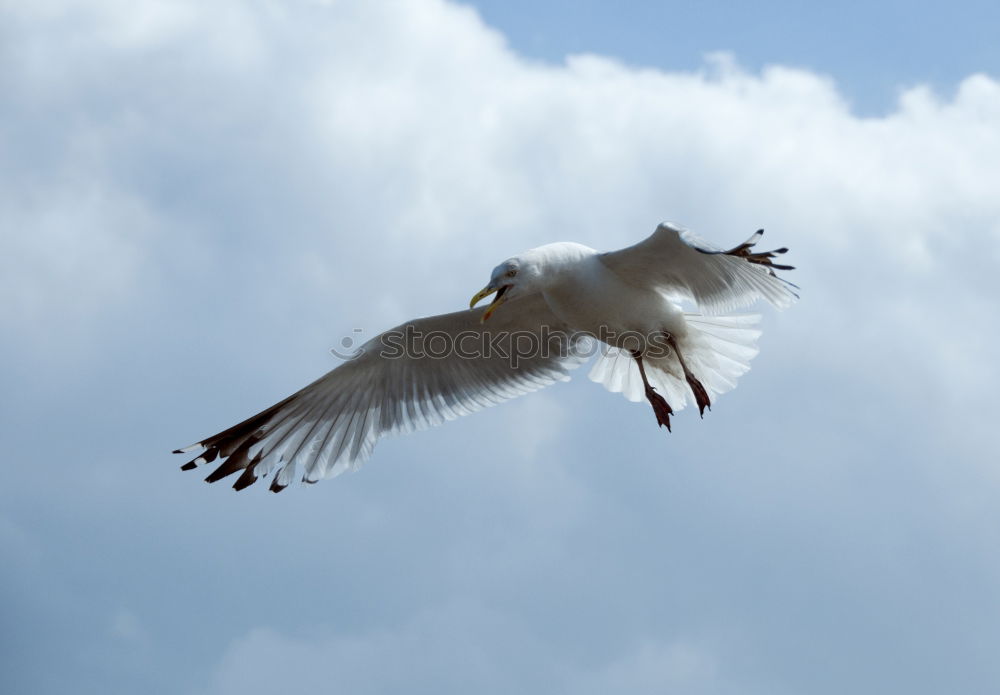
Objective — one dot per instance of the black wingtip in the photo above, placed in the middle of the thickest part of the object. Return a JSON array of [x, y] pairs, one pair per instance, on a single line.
[[234, 463], [189, 466], [247, 478], [275, 487], [177, 451]]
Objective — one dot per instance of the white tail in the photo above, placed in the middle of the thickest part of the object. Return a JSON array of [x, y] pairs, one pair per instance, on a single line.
[[717, 350]]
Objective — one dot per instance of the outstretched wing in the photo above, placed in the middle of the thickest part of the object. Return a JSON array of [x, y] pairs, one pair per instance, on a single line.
[[414, 376], [682, 265]]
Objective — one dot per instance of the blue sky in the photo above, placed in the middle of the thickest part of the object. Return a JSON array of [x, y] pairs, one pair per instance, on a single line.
[[198, 201], [872, 49]]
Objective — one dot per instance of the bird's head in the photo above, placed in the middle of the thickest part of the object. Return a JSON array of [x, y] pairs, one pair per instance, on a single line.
[[509, 279], [534, 270]]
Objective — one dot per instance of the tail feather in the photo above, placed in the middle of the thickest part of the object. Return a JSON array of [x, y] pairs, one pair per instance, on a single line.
[[717, 350]]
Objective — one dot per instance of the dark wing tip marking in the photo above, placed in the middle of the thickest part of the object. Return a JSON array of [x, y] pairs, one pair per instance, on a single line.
[[205, 457], [247, 478], [236, 461], [760, 257], [232, 446]]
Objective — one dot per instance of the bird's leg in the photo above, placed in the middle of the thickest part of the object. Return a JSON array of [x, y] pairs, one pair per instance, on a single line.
[[700, 394], [661, 408]]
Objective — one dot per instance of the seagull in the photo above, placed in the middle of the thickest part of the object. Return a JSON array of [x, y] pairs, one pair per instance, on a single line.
[[552, 306]]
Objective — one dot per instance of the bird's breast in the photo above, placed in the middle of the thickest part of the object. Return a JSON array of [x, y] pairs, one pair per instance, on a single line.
[[595, 301]]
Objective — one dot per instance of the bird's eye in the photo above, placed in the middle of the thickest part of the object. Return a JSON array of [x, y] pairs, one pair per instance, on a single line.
[[511, 273]]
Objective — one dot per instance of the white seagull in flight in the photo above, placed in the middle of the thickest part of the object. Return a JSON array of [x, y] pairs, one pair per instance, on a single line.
[[551, 303]]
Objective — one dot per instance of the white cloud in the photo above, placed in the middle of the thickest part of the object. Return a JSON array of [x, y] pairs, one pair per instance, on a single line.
[[452, 647], [457, 647], [126, 626], [405, 143], [75, 253], [656, 668], [408, 137]]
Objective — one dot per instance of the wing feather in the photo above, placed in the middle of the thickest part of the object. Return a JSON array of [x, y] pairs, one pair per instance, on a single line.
[[332, 425], [684, 266]]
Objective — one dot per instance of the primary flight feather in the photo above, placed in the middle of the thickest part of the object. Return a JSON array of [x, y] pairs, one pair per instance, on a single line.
[[550, 304]]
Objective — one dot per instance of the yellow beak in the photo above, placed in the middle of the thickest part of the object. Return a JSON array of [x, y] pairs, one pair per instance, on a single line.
[[482, 294]]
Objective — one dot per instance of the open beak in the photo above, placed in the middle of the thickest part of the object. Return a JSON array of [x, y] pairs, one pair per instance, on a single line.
[[497, 301]]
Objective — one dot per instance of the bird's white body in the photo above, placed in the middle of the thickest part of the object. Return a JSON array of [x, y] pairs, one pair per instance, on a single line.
[[560, 296], [592, 298]]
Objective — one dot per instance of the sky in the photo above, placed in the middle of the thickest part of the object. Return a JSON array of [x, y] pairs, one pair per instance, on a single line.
[[199, 200]]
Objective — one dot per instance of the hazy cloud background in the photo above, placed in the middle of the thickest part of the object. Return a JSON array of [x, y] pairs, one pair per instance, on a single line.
[[198, 200]]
